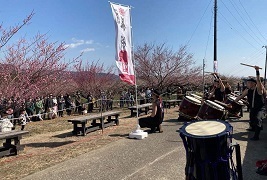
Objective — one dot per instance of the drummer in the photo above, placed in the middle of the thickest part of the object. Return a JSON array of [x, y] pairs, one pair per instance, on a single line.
[[255, 94], [218, 89], [228, 89]]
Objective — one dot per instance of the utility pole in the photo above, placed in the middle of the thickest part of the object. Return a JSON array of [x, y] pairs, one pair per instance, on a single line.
[[203, 80], [215, 62], [265, 65]]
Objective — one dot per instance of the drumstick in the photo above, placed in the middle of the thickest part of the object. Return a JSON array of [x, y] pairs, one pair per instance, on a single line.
[[234, 94], [219, 102], [214, 75], [248, 65], [243, 100]]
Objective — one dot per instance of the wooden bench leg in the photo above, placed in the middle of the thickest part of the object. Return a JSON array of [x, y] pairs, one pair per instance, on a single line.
[[7, 144], [13, 148], [109, 119], [83, 129], [117, 120], [6, 149], [132, 113], [75, 129], [17, 145], [139, 111]]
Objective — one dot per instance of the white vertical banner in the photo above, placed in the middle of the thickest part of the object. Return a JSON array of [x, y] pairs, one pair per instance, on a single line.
[[215, 66], [123, 42]]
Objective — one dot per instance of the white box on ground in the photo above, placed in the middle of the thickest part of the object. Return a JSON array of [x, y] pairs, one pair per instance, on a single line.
[[138, 134]]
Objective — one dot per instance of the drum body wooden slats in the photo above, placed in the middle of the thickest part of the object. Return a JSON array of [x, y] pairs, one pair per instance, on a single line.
[[189, 107], [210, 110], [236, 106]]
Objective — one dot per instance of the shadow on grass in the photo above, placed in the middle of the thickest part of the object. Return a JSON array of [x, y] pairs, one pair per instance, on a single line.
[[119, 135], [49, 144], [64, 135]]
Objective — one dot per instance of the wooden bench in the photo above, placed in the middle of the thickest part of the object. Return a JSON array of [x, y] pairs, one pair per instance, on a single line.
[[8, 148], [141, 108], [79, 123], [171, 102]]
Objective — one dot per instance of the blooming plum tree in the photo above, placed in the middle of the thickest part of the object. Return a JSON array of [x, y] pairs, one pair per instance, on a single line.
[[159, 66]]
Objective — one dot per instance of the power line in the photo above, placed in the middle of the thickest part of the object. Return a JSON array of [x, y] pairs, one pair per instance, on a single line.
[[253, 55], [255, 60], [198, 23], [245, 21], [224, 18], [240, 23], [234, 69], [208, 38], [252, 21]]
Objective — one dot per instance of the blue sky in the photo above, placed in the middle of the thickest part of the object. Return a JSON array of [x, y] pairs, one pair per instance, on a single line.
[[87, 25]]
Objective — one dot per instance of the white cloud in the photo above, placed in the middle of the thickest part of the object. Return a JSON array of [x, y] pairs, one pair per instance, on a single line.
[[78, 42], [73, 45], [89, 42], [88, 50]]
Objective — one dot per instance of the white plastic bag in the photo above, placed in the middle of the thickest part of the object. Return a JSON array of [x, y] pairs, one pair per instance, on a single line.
[[5, 125]]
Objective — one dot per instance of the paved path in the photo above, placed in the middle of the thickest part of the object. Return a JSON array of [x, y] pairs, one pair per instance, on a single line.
[[160, 156]]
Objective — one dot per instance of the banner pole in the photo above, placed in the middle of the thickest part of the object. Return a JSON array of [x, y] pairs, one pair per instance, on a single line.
[[137, 133], [134, 64]]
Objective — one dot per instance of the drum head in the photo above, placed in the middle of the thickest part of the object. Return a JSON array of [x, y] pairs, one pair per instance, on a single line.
[[205, 128], [232, 98], [215, 105], [193, 100], [196, 96]]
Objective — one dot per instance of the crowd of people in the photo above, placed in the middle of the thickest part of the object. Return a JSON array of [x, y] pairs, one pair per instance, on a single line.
[[40, 108], [22, 111]]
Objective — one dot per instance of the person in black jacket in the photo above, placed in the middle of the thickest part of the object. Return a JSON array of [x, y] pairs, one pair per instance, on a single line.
[[49, 106], [61, 105], [228, 89], [90, 102], [68, 104]]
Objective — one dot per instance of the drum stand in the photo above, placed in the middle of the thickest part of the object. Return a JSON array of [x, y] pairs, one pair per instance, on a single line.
[[238, 160]]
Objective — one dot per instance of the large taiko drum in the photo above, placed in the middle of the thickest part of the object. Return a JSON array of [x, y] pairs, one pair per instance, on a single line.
[[236, 106], [210, 110], [196, 96], [207, 145], [189, 107]]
